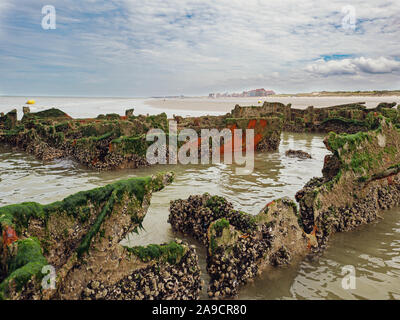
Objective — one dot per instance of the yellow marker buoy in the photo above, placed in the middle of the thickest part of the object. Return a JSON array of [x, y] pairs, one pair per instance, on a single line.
[[30, 102], [259, 101]]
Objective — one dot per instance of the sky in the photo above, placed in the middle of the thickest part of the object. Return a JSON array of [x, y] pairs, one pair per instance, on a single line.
[[130, 48]]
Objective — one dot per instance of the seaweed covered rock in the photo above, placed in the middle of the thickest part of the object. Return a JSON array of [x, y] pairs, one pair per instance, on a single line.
[[194, 215], [112, 141], [238, 244], [52, 113], [361, 177], [297, 154], [9, 120], [79, 237], [167, 271], [346, 118], [267, 129], [107, 142], [22, 267]]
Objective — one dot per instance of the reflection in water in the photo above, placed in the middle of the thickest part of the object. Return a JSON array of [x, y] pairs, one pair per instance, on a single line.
[[376, 258]]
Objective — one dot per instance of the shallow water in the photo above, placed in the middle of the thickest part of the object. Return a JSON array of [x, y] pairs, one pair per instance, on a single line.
[[84, 107], [373, 250]]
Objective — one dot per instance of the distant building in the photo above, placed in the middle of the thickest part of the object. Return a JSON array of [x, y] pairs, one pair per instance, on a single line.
[[252, 93], [260, 93]]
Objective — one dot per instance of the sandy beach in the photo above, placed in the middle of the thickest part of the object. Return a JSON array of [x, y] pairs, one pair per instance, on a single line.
[[205, 104]]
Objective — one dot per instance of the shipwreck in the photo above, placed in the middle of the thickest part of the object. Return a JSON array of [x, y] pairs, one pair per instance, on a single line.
[[80, 236]]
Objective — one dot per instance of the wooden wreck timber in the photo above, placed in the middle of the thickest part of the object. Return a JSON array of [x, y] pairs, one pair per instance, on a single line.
[[297, 154], [360, 178], [108, 141], [346, 118], [80, 235], [112, 141], [267, 129]]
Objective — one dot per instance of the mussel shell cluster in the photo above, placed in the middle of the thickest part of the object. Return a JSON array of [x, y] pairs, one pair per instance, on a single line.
[[228, 268], [158, 281]]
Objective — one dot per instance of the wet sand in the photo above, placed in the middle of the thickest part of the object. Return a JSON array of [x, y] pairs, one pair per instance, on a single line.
[[224, 105]]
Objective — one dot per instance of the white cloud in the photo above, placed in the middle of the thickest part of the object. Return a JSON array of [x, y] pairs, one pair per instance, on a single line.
[[4, 6], [379, 65], [332, 67], [354, 66]]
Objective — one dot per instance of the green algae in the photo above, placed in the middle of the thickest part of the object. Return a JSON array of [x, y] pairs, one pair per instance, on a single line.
[[217, 205], [63, 126], [28, 250], [221, 235], [217, 233], [220, 224], [363, 157], [132, 145], [243, 221], [240, 219], [49, 113], [9, 121], [391, 114], [19, 215], [25, 265], [364, 161], [213, 245], [300, 121], [135, 186], [103, 137], [84, 139], [109, 116], [159, 121], [27, 261], [96, 130], [346, 142], [347, 121], [15, 131], [361, 161], [265, 215], [171, 252]]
